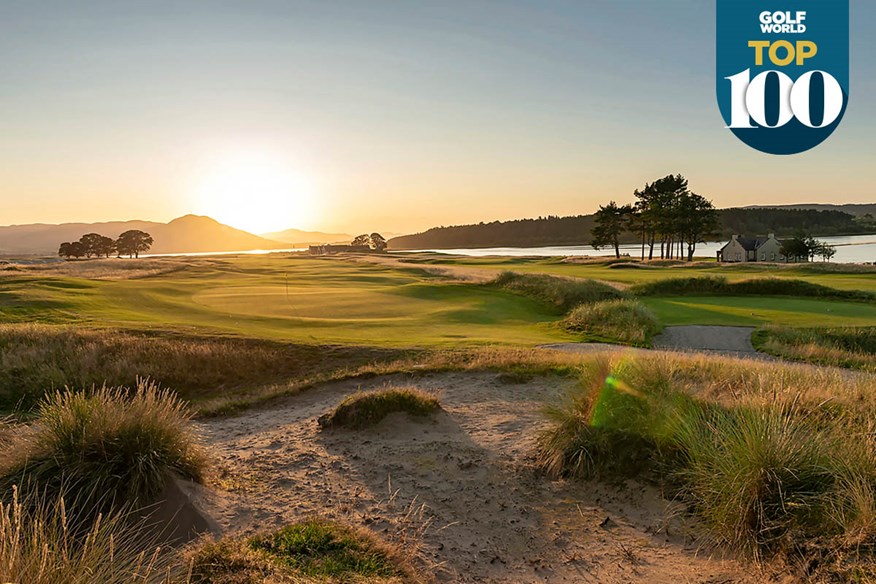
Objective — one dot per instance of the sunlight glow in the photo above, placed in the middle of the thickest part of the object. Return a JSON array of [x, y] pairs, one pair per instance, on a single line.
[[257, 193]]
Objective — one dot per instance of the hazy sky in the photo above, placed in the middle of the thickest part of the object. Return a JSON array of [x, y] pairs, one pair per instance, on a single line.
[[390, 115]]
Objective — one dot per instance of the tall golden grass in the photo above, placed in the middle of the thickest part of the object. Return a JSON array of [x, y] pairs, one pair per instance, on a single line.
[[42, 358]]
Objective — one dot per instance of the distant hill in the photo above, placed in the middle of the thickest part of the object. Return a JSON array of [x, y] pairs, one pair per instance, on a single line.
[[299, 237], [188, 234], [548, 231], [855, 209]]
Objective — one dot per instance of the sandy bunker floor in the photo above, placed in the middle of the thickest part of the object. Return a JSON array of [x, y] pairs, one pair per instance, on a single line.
[[493, 517]]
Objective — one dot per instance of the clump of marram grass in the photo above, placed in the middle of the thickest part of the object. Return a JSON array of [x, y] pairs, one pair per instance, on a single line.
[[623, 321], [563, 294], [311, 551], [854, 348], [766, 475], [365, 409], [757, 476], [41, 544], [596, 430], [106, 448]]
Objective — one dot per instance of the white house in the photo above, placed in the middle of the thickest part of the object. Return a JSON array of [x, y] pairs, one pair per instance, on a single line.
[[742, 249]]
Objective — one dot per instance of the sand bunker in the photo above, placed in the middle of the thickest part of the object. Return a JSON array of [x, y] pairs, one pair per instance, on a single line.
[[490, 515]]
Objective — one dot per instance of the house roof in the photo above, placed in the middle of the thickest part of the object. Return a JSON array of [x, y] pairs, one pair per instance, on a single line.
[[750, 244]]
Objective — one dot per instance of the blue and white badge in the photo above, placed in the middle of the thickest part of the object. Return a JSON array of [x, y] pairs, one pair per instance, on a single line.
[[783, 71]]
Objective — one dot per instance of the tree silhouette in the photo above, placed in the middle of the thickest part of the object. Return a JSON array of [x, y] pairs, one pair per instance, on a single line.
[[71, 250], [378, 242], [610, 223], [97, 245], [697, 218], [375, 241], [134, 242]]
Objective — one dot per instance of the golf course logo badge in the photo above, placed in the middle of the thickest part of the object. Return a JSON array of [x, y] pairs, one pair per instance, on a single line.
[[783, 71]]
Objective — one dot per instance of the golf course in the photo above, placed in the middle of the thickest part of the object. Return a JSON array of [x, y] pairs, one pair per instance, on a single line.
[[405, 303], [423, 418]]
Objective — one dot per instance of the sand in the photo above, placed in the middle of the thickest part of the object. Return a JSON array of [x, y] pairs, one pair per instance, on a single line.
[[459, 490]]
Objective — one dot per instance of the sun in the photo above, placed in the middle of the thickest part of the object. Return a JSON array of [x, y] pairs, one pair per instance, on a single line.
[[257, 193]]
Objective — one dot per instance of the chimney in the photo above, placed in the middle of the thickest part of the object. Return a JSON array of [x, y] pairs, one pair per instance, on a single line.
[[772, 236], [735, 237]]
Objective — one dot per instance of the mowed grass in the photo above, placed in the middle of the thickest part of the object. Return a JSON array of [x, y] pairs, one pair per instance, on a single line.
[[338, 301], [317, 301], [757, 311], [833, 275]]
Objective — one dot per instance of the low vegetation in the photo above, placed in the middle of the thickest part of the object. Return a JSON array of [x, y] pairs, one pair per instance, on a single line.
[[38, 546], [778, 467], [105, 449], [720, 286], [362, 410], [308, 552], [854, 348], [618, 321], [39, 358], [563, 294]]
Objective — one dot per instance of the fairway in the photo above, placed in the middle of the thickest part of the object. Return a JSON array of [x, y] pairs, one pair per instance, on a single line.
[[287, 298], [757, 311], [626, 274]]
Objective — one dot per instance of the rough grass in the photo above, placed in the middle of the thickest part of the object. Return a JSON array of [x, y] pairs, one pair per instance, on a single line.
[[720, 286], [767, 458], [104, 449], [36, 359], [38, 546], [563, 294], [362, 410], [853, 348], [308, 552], [623, 321]]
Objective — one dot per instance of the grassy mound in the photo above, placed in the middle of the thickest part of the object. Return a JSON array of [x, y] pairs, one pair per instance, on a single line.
[[367, 409], [37, 358], [854, 348], [104, 449], [719, 285], [308, 552], [694, 285], [766, 474], [36, 546], [563, 294], [624, 321]]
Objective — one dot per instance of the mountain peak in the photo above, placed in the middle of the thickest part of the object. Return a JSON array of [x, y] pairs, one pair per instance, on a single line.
[[190, 218]]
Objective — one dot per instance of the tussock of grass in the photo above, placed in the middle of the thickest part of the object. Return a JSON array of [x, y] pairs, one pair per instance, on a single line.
[[720, 286], [312, 551], [39, 544], [367, 409], [561, 293], [843, 347], [623, 321], [767, 463], [35, 359], [104, 449]]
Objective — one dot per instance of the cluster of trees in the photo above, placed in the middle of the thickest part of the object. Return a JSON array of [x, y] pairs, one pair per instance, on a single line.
[[805, 246], [375, 241], [575, 230], [94, 245], [789, 222], [665, 212]]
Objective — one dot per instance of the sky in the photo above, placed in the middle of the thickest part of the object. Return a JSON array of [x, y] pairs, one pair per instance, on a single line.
[[389, 115]]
